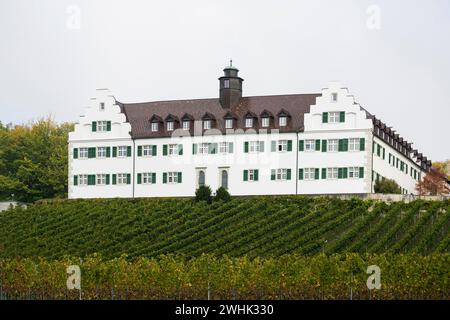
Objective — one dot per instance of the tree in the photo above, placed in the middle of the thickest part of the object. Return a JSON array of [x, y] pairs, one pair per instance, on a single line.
[[433, 183], [203, 193], [222, 195], [443, 167], [384, 185]]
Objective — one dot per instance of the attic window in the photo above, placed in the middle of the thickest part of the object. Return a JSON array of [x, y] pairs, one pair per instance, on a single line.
[[102, 106], [186, 124], [283, 121], [155, 126], [265, 122], [334, 97], [228, 123], [206, 124], [249, 122], [170, 126], [226, 83]]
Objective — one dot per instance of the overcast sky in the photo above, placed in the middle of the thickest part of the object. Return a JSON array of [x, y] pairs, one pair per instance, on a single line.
[[394, 56]]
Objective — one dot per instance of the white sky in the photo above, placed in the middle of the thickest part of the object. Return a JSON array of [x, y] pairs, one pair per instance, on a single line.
[[168, 50]]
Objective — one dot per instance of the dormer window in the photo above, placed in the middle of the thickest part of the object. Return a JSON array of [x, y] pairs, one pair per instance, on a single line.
[[206, 124], [265, 122], [186, 124], [155, 126], [334, 97], [282, 121], [170, 126], [249, 122], [228, 123], [102, 106]]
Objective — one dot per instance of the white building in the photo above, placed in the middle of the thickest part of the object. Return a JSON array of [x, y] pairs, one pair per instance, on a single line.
[[322, 143]]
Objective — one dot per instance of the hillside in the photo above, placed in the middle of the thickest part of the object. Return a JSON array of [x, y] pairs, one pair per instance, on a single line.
[[262, 226]]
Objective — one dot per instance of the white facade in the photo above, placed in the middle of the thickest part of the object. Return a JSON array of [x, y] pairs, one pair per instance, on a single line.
[[326, 157]]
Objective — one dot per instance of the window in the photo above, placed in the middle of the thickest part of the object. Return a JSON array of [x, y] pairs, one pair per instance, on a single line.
[[122, 151], [102, 106], [155, 126], [223, 147], [334, 96], [173, 149], [170, 126], [102, 125], [282, 145], [228, 123], [353, 144], [147, 178], [353, 172], [121, 178], [206, 124], [147, 150], [332, 173], [186, 125], [283, 121], [265, 122], [252, 175], [82, 180], [83, 153], [309, 174], [172, 177], [203, 148], [333, 145], [226, 83], [249, 122], [254, 146], [310, 145], [281, 174], [333, 117], [101, 179], [101, 152]]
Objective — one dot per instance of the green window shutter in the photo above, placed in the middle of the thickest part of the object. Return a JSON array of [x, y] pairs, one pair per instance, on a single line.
[[361, 172], [342, 116], [139, 178], [246, 147], [324, 145], [325, 117], [340, 173], [345, 145], [128, 178], [344, 173], [384, 153], [91, 180], [91, 153], [300, 174], [261, 146], [180, 149], [128, 151], [75, 180], [94, 126], [230, 147], [164, 177], [75, 153], [289, 145], [164, 149], [256, 175], [373, 147], [216, 148], [212, 148], [378, 150], [272, 174], [273, 146], [194, 148], [153, 177], [318, 145], [108, 126], [114, 179], [324, 173], [154, 152], [341, 145], [390, 156], [288, 174], [107, 179], [362, 144], [114, 152], [301, 145], [108, 152], [180, 177], [316, 173], [245, 175], [139, 151]]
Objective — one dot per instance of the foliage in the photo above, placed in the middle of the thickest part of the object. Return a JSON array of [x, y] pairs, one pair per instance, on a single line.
[[255, 227], [410, 276], [33, 160], [443, 167], [434, 183], [222, 194], [389, 186], [203, 193]]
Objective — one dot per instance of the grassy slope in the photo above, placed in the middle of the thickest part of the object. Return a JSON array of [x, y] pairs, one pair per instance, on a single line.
[[263, 226]]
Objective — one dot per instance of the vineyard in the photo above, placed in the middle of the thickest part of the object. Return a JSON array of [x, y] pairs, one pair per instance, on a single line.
[[252, 227]]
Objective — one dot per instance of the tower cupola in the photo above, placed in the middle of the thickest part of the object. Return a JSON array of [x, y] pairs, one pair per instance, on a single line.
[[230, 87]]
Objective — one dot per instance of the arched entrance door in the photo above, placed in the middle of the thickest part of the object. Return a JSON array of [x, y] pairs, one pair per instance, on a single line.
[[224, 179], [201, 178]]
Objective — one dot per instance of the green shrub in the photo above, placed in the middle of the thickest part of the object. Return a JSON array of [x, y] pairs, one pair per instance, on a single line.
[[222, 195], [387, 186], [203, 193]]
